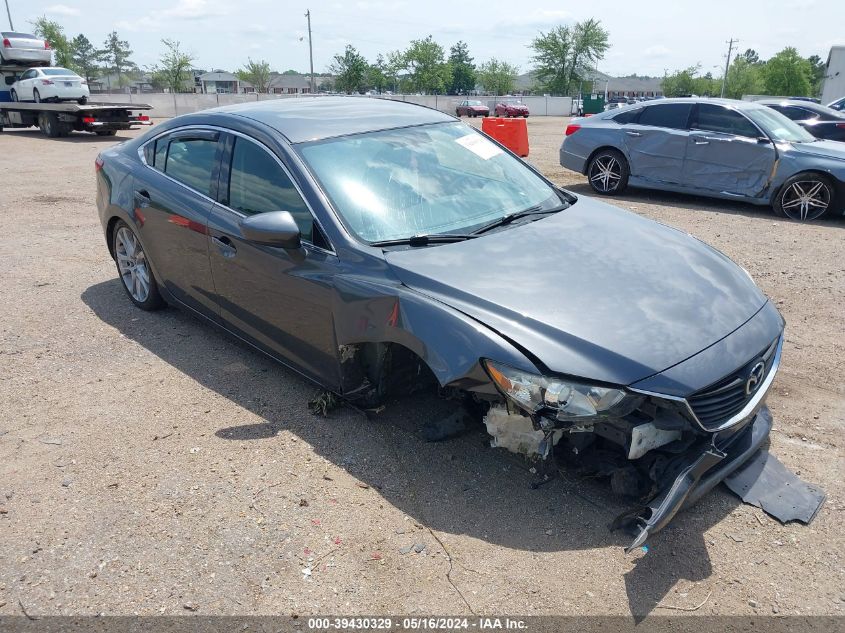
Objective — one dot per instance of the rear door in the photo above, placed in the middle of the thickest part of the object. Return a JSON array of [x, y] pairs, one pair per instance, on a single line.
[[656, 143], [727, 153], [173, 197], [280, 300]]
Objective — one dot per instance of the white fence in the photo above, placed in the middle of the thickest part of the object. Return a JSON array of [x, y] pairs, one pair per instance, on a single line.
[[167, 105]]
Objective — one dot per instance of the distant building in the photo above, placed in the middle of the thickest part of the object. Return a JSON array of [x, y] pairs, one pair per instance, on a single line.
[[834, 80], [221, 82], [289, 84], [128, 82], [596, 82]]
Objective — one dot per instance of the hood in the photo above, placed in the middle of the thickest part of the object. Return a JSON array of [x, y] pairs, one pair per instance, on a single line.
[[516, 106], [592, 291], [821, 149]]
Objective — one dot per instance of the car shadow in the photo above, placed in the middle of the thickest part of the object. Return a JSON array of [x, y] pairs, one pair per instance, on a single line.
[[460, 486], [697, 203]]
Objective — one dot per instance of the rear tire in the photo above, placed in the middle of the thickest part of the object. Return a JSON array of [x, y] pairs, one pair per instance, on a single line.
[[608, 172], [133, 268], [82, 101], [804, 197], [36, 96], [106, 132], [52, 127]]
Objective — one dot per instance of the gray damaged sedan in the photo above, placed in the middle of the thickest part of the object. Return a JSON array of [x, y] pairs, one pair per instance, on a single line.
[[723, 148], [379, 248]]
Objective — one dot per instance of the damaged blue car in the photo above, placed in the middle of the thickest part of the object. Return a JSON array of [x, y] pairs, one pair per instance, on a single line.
[[722, 148], [379, 248]]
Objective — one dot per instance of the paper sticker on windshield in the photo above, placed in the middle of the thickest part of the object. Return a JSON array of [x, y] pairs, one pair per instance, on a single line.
[[479, 146]]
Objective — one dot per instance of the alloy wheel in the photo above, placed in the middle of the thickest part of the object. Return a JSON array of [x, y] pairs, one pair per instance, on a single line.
[[605, 173], [132, 264], [805, 200]]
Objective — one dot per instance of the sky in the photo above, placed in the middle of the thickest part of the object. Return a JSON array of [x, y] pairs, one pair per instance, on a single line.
[[647, 37]]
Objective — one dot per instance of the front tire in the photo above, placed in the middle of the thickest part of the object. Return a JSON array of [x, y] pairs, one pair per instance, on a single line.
[[133, 268], [804, 197], [608, 172], [13, 95], [36, 96]]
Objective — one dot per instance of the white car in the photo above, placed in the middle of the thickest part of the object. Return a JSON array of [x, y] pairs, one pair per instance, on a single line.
[[23, 48], [50, 84]]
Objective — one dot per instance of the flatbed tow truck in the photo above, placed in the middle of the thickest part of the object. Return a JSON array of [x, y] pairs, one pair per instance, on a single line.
[[60, 119]]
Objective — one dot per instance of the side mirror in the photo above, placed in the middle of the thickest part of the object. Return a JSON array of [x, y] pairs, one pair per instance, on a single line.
[[764, 140], [275, 228]]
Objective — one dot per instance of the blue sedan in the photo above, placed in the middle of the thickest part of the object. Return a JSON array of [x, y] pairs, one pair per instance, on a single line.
[[713, 147]]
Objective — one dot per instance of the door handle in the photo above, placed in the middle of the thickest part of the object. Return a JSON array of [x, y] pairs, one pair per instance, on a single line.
[[697, 142], [225, 246], [629, 133], [142, 197]]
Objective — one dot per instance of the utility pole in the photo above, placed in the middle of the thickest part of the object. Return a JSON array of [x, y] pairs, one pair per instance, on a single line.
[[310, 51], [727, 64], [9, 13]]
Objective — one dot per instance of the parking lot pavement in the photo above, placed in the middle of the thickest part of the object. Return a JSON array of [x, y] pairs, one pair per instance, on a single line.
[[149, 464]]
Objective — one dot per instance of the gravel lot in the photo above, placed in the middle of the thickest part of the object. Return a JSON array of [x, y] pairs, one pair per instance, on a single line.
[[149, 464]]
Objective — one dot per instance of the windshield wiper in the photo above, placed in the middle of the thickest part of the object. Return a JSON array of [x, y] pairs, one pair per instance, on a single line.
[[424, 240], [510, 217]]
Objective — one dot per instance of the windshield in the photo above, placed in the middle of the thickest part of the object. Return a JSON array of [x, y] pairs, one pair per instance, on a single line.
[[473, 103], [57, 71], [432, 179], [778, 127]]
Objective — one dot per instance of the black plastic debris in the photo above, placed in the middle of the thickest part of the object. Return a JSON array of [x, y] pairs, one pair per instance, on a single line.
[[763, 481]]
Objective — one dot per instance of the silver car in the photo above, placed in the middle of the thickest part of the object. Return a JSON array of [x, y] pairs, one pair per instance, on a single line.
[[23, 48], [722, 148]]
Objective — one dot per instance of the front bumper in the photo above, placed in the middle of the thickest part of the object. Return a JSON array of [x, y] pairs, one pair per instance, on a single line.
[[698, 471]]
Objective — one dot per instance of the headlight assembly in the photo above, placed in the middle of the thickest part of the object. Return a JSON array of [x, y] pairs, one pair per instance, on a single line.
[[564, 399]]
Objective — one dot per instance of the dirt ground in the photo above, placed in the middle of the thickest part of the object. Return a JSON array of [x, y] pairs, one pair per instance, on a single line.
[[151, 465]]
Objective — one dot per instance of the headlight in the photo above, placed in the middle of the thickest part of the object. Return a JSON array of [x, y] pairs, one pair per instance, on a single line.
[[569, 400]]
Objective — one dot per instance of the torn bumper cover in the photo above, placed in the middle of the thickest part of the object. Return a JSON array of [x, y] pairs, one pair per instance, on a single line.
[[699, 470]]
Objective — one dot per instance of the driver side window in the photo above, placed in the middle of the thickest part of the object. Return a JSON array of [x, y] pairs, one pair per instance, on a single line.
[[258, 184]]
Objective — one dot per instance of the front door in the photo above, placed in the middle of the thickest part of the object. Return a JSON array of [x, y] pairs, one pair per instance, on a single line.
[[726, 153], [278, 299], [657, 142]]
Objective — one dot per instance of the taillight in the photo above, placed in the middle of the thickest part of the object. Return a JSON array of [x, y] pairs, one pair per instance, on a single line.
[[46, 45], [46, 82], [842, 125], [89, 119], [572, 128], [6, 43], [143, 117], [98, 164]]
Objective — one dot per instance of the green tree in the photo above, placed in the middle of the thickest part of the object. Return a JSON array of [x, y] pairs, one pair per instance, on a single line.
[[462, 69], [497, 77], [681, 82], [256, 73], [788, 74], [54, 33], [425, 62], [818, 68], [350, 70], [750, 56], [744, 78], [85, 59], [395, 65], [377, 74], [562, 55], [707, 86], [116, 55], [174, 68]]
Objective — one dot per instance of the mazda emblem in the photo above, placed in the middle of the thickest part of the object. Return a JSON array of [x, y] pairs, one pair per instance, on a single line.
[[755, 377]]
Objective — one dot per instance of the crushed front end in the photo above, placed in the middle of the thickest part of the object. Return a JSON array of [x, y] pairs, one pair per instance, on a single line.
[[664, 450]]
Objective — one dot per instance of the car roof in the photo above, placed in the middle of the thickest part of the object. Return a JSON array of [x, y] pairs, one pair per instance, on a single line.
[[302, 119]]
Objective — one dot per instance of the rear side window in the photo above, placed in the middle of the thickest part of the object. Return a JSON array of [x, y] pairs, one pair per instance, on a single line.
[[671, 115], [715, 118], [796, 114], [629, 116], [191, 161], [258, 184]]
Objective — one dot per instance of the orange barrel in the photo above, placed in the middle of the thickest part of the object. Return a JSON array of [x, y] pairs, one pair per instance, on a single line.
[[512, 133]]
